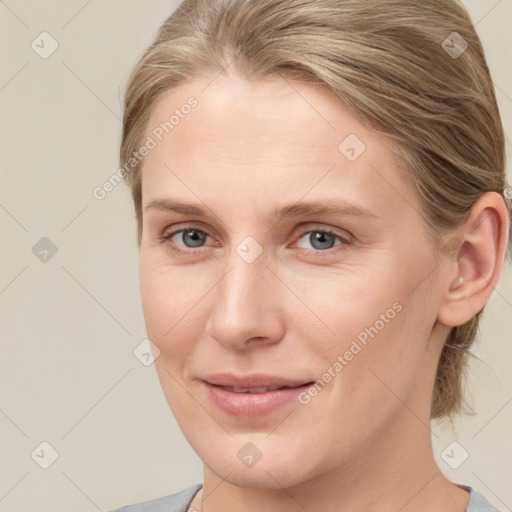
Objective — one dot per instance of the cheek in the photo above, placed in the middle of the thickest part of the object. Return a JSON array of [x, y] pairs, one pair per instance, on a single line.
[[351, 306], [169, 300], [170, 303], [378, 322]]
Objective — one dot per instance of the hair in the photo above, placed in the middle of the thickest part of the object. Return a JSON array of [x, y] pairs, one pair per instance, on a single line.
[[389, 62]]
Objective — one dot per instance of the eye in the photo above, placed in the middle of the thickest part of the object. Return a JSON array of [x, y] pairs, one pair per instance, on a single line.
[[190, 236], [324, 239]]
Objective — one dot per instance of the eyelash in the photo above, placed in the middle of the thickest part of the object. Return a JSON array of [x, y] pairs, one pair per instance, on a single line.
[[345, 241]]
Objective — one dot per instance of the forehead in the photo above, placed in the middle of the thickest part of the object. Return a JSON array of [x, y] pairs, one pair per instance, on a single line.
[[273, 139]]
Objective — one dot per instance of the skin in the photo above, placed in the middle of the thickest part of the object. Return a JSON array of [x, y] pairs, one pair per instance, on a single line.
[[363, 443]]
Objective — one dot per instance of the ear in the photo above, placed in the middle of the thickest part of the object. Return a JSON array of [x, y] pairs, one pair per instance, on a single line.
[[473, 257]]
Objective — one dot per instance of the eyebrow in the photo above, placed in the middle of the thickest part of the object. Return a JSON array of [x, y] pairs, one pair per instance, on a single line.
[[302, 209]]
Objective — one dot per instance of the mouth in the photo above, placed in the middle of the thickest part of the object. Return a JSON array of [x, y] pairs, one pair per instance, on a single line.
[[253, 383], [259, 389], [255, 396]]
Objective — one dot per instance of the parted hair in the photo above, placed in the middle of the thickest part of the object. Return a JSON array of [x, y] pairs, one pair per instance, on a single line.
[[414, 71]]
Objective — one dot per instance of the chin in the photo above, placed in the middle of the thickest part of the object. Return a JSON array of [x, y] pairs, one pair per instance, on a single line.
[[265, 476], [251, 461]]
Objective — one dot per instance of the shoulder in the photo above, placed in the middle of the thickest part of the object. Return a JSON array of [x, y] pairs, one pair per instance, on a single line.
[[478, 502], [178, 502]]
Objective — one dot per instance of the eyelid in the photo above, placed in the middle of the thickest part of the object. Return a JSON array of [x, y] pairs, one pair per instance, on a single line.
[[312, 226], [173, 230]]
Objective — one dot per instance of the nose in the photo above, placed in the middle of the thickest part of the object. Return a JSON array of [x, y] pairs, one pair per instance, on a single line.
[[248, 310]]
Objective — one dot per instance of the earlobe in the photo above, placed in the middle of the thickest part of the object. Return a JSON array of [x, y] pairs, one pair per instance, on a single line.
[[473, 260]]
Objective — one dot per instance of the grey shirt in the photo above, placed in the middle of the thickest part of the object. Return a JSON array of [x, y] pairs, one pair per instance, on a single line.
[[180, 502]]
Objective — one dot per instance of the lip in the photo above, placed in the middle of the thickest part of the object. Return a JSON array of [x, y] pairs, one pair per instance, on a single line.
[[250, 405], [256, 380]]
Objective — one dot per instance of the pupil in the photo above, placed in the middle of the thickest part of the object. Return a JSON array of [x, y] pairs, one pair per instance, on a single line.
[[196, 239], [319, 236]]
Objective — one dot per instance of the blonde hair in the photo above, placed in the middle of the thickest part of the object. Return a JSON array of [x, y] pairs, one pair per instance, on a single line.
[[400, 65]]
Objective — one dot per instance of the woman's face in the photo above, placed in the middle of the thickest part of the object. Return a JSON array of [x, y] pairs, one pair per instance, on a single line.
[[254, 277]]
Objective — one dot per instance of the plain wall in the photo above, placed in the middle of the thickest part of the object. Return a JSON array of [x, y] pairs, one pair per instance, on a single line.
[[69, 325]]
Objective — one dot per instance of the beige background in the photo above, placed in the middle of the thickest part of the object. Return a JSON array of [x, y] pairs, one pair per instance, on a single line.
[[68, 374]]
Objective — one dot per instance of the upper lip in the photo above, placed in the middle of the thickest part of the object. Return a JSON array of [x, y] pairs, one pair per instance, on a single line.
[[253, 381]]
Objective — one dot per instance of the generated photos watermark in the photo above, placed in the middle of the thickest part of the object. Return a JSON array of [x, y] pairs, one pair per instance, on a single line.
[[357, 345], [157, 135]]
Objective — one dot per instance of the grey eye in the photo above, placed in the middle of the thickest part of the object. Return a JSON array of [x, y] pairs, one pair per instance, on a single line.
[[320, 240], [192, 237]]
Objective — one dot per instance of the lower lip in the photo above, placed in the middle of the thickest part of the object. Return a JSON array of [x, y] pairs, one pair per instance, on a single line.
[[250, 405]]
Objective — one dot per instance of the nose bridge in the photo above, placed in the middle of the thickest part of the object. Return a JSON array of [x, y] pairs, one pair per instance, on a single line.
[[246, 263], [241, 291], [246, 300]]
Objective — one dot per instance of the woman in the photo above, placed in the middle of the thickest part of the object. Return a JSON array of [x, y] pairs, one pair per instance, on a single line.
[[320, 193]]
